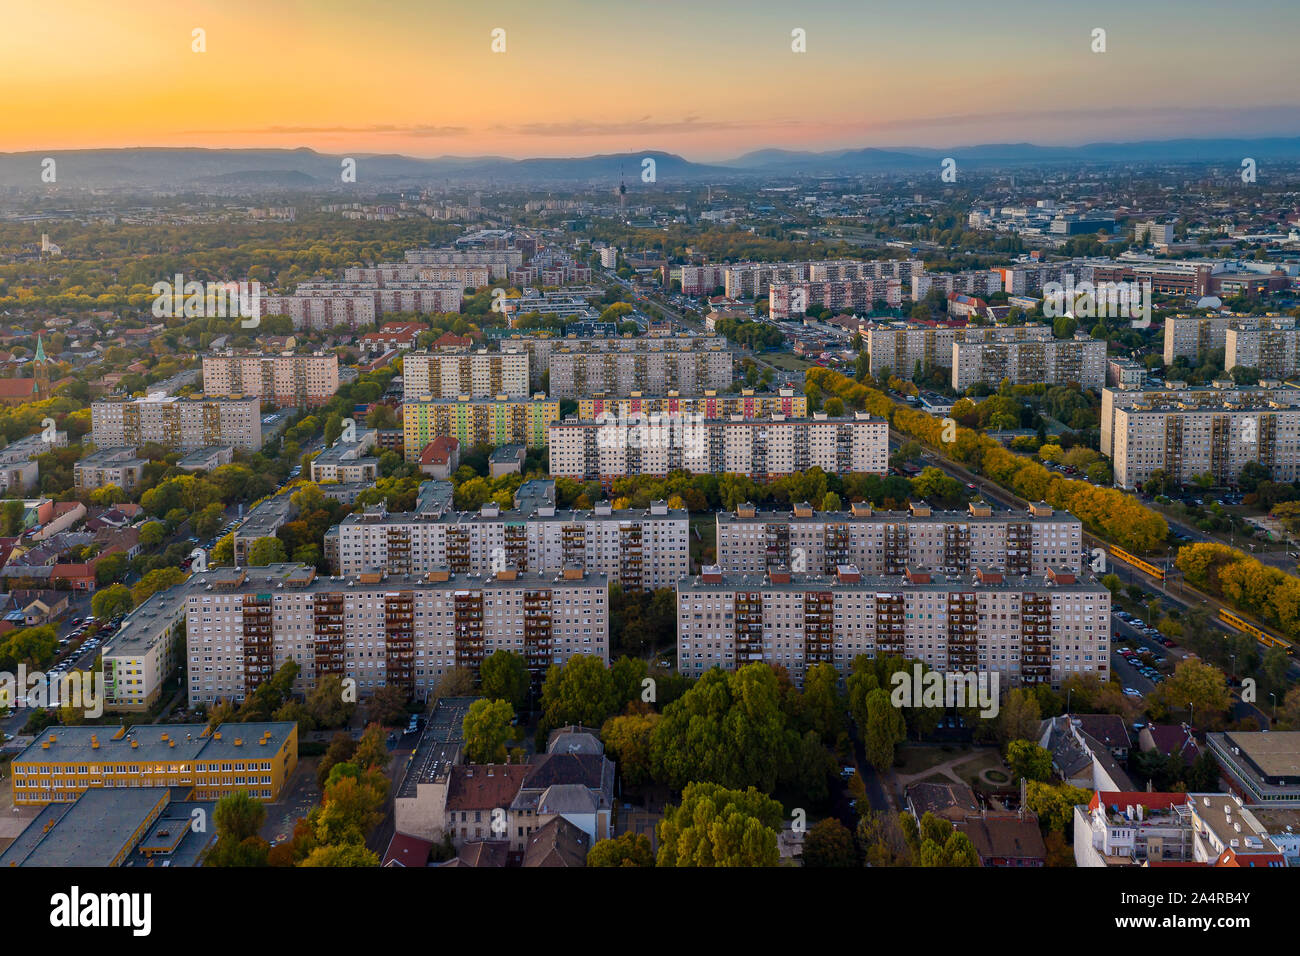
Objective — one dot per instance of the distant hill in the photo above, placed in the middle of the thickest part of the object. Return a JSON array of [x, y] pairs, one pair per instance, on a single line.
[[303, 168]]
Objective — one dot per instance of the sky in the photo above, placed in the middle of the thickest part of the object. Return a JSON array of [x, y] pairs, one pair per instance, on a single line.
[[709, 80]]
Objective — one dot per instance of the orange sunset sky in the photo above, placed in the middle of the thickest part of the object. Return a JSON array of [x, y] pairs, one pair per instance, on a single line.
[[706, 80]]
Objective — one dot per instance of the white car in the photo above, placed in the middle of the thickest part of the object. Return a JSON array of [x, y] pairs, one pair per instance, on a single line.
[[1132, 692]]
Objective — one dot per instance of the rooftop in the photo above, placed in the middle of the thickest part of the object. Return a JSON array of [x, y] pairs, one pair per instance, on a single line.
[[150, 743]]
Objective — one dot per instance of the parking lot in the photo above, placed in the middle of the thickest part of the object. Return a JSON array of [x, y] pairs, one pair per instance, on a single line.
[[1148, 661]]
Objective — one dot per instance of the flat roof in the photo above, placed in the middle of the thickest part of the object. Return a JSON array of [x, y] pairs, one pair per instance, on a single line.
[[900, 517], [93, 830], [1276, 752], [184, 742], [891, 582]]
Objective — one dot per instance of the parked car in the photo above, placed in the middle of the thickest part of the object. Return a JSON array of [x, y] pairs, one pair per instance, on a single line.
[[1132, 692]]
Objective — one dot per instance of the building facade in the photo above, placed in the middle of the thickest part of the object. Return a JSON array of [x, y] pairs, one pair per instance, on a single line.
[[381, 630], [472, 422], [747, 404], [889, 542], [1030, 630], [181, 424], [1080, 360], [65, 762], [478, 374], [287, 380], [761, 448], [639, 548]]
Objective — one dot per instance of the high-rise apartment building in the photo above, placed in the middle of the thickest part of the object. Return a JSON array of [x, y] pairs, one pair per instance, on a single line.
[[1274, 351], [182, 424], [1080, 360], [747, 404], [890, 542], [761, 448], [499, 262], [1028, 630], [394, 295], [898, 348], [465, 276], [1222, 393], [380, 629], [641, 548], [477, 374], [791, 299], [286, 379], [322, 311], [478, 421], [651, 366], [1193, 335], [1218, 440]]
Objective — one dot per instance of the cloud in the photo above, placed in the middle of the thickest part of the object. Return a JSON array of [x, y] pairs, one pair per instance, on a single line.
[[420, 130], [643, 125]]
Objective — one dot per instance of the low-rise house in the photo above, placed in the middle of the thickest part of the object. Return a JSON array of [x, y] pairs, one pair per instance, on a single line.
[[557, 843], [1080, 759], [950, 801], [1005, 839], [1170, 740], [1118, 829], [441, 457]]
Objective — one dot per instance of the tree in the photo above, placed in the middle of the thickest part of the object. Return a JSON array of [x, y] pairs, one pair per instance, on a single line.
[[729, 729], [504, 676], [351, 808], [328, 704], [33, 646], [223, 552], [580, 692], [387, 705], [627, 849], [266, 551], [106, 495], [111, 568], [11, 517], [111, 601], [455, 682], [1054, 804], [715, 826], [627, 741], [487, 728], [371, 753], [160, 579], [829, 843], [1028, 760], [347, 854], [1020, 716], [882, 839], [152, 533], [1196, 688], [884, 731], [239, 816]]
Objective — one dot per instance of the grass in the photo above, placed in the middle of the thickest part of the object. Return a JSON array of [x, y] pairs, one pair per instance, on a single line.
[[784, 360], [913, 759]]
